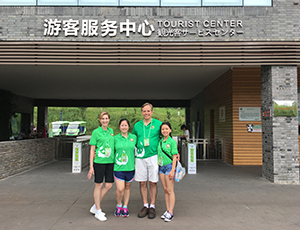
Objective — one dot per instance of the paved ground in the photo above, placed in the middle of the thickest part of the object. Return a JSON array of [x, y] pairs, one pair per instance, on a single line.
[[220, 196]]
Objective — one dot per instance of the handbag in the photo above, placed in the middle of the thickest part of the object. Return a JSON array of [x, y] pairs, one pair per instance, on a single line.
[[179, 169]]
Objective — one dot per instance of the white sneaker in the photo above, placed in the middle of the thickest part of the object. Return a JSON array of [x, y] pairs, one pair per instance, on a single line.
[[169, 217], [93, 210], [163, 216], [100, 216]]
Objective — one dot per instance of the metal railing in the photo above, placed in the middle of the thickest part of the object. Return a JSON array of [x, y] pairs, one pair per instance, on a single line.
[[207, 149]]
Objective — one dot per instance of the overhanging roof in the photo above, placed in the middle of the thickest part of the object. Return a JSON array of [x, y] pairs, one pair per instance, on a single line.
[[53, 71]]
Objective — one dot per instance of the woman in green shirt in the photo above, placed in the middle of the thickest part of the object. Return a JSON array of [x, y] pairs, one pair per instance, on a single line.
[[101, 162], [124, 166], [167, 158]]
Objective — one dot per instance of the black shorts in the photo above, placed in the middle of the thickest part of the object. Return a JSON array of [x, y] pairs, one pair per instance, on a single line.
[[104, 170]]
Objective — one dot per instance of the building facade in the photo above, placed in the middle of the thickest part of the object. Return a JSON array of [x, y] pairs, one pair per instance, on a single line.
[[245, 56]]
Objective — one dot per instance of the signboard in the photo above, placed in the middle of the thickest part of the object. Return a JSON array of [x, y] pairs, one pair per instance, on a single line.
[[193, 136], [222, 114], [160, 28], [254, 128], [77, 157], [266, 114], [249, 113], [285, 108], [192, 159]]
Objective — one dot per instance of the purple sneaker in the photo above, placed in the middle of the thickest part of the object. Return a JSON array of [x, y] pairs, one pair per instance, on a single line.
[[125, 212], [118, 211]]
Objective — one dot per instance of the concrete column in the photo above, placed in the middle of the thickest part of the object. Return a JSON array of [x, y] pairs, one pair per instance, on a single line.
[[26, 122], [5, 113], [280, 133], [42, 117]]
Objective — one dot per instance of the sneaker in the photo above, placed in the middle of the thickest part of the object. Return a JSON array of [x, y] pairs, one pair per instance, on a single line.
[[125, 212], [163, 216], [100, 216], [144, 212], [93, 210], [118, 211], [152, 213], [168, 217]]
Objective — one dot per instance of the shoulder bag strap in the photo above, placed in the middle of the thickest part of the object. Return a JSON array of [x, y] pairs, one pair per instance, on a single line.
[[165, 152]]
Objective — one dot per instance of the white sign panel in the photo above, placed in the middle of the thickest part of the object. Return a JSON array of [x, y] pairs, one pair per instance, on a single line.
[[76, 158], [249, 113], [192, 159], [222, 114]]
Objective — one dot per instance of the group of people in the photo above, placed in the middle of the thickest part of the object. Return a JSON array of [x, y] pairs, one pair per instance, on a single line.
[[30, 135], [141, 155]]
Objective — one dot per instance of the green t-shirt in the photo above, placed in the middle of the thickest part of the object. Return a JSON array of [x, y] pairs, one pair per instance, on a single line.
[[103, 140], [170, 147], [124, 152], [147, 135]]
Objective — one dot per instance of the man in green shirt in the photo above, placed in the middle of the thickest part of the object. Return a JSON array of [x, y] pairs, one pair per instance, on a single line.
[[148, 133]]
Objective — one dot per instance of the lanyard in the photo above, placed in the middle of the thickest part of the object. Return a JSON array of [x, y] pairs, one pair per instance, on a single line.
[[149, 130]]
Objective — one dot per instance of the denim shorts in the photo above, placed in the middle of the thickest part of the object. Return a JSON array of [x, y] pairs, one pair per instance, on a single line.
[[165, 169]]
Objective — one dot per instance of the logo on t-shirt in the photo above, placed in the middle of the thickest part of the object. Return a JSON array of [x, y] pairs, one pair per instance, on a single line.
[[121, 159], [104, 152], [131, 139], [139, 150], [167, 146]]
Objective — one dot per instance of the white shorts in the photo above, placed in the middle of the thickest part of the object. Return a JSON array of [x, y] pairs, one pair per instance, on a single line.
[[146, 169]]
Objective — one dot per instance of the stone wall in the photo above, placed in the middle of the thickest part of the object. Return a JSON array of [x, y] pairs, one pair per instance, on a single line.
[[280, 133], [21, 155], [279, 22]]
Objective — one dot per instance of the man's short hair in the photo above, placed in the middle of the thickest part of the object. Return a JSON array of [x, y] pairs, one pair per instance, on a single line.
[[145, 104]]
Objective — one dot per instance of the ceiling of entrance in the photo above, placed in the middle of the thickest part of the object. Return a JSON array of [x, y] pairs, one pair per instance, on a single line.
[[108, 82]]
